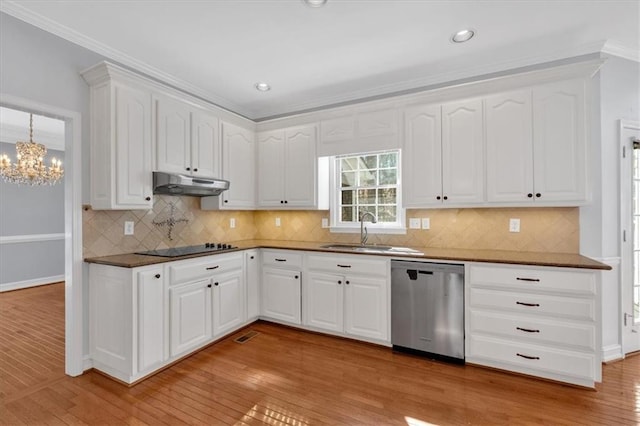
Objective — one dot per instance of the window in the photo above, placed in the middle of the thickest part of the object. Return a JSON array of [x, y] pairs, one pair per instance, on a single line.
[[368, 182]]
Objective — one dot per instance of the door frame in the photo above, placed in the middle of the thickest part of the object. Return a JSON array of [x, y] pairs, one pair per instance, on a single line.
[[72, 224], [626, 262]]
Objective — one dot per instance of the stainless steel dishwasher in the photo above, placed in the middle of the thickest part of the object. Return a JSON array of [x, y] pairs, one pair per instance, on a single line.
[[427, 309]]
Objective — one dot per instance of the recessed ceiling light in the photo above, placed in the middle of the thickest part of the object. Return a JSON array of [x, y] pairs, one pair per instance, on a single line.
[[462, 36], [263, 87], [315, 3]]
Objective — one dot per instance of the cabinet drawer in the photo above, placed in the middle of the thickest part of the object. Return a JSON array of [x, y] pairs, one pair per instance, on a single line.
[[533, 279], [349, 264], [288, 259], [534, 330], [193, 269], [534, 304], [530, 357]]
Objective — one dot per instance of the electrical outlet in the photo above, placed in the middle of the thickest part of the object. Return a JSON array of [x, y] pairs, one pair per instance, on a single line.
[[426, 223], [277, 221], [325, 222], [232, 223], [128, 227], [414, 223], [514, 225]]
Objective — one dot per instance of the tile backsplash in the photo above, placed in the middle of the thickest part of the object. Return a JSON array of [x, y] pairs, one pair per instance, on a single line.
[[178, 221]]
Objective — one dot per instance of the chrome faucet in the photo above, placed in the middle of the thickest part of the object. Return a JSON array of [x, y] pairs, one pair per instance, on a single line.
[[364, 235]]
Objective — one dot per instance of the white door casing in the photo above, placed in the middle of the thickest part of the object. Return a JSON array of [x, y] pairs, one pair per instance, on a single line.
[[629, 236]]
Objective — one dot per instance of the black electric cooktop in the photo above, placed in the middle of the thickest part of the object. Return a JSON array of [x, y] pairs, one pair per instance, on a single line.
[[187, 250]]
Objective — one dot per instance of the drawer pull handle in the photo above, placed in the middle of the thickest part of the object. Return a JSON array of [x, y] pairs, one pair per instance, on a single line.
[[344, 266], [531, 280], [281, 260], [528, 356], [157, 276], [212, 267], [535, 305], [528, 330]]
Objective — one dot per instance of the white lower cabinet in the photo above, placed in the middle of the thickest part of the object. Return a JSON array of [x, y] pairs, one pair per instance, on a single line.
[[534, 320], [191, 318], [348, 295], [228, 302], [281, 294], [252, 280]]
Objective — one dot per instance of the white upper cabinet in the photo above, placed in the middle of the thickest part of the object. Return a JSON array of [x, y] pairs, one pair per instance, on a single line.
[[536, 147], [422, 156], [559, 140], [443, 158], [462, 152], [238, 167], [186, 138], [287, 168], [121, 153], [359, 131], [509, 147]]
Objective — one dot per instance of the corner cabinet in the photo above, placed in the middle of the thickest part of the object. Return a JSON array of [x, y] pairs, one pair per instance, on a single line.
[[287, 168], [121, 151], [281, 288], [186, 137]]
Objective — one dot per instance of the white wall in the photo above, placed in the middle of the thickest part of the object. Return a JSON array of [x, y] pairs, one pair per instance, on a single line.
[[616, 96]]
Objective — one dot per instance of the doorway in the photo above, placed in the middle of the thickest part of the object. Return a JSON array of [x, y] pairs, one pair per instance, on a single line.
[[72, 224], [630, 220]]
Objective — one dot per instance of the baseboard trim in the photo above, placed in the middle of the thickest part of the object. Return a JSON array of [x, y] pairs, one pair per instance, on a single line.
[[17, 285], [612, 353], [87, 363]]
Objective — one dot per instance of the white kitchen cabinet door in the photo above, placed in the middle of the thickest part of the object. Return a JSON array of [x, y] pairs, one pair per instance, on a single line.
[[205, 144], [173, 135], [191, 319], [559, 142], [271, 168], [324, 301], [133, 148], [508, 123], [300, 174], [252, 279], [366, 307], [281, 295], [422, 156], [238, 167], [462, 153], [228, 302], [151, 319], [337, 136]]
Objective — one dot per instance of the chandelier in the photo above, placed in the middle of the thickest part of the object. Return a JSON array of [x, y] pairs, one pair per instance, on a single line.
[[29, 168]]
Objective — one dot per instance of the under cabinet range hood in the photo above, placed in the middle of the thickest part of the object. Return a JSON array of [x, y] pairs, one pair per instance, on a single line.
[[178, 184]]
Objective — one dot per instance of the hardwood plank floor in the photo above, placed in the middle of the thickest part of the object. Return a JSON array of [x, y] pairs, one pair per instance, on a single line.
[[283, 376]]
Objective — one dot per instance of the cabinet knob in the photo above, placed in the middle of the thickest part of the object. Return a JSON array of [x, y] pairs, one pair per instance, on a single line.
[[208, 285], [438, 197], [216, 284], [285, 201], [346, 282], [296, 277], [195, 170], [226, 201], [281, 202], [157, 275], [148, 198], [538, 195], [530, 195], [188, 168], [339, 282], [251, 258], [445, 198]]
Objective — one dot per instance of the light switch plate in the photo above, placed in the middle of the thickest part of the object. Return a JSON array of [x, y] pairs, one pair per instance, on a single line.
[[426, 223], [277, 221], [232, 223], [514, 225], [414, 223], [325, 222], [128, 227]]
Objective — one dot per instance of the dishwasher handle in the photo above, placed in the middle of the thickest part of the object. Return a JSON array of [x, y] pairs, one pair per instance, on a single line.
[[413, 273]]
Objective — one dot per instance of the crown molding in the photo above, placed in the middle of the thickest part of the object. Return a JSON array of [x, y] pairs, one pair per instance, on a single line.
[[20, 12], [612, 47]]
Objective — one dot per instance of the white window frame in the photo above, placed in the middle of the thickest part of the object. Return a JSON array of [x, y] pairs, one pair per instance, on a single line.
[[399, 227]]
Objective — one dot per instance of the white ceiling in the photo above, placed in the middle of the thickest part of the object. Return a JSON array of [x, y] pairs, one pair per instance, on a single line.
[[347, 50]]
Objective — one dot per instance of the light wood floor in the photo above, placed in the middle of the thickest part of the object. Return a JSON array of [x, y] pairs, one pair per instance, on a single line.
[[284, 377]]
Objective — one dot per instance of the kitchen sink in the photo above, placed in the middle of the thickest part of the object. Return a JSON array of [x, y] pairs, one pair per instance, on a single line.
[[373, 249]]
